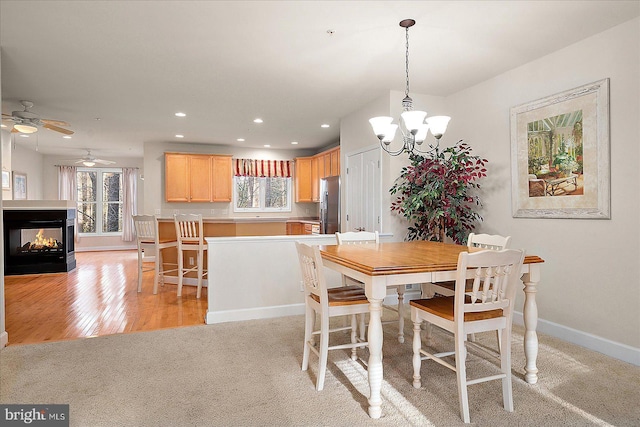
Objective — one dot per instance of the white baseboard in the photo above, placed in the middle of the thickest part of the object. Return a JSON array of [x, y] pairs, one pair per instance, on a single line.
[[253, 313], [190, 281], [614, 349], [105, 248], [4, 339]]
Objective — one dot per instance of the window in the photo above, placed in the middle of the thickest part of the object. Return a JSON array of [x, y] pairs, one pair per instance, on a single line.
[[99, 201], [262, 194]]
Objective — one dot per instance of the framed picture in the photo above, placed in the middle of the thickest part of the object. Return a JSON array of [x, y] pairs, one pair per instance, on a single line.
[[6, 180], [19, 186], [560, 165]]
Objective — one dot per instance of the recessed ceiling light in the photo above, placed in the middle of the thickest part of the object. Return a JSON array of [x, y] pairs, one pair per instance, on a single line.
[[267, 145], [179, 136], [324, 125], [67, 137], [179, 114], [24, 136], [240, 139], [294, 142], [258, 120]]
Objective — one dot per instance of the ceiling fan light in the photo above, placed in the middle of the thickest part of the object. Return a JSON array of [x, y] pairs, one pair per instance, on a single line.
[[88, 163], [25, 128]]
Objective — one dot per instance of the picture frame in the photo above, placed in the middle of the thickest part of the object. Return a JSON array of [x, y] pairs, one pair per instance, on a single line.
[[6, 180], [19, 186], [560, 160]]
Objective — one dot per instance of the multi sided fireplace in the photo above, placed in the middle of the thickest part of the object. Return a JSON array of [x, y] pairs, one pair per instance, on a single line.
[[39, 241]]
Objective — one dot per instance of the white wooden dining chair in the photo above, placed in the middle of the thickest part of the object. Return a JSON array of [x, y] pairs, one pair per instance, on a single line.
[[190, 236], [327, 303], [150, 246], [487, 306], [373, 237], [485, 241]]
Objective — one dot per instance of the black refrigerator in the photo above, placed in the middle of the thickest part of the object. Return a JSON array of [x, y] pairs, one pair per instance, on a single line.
[[330, 205]]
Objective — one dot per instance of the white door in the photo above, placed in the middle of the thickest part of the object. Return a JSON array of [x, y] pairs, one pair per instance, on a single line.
[[363, 191]]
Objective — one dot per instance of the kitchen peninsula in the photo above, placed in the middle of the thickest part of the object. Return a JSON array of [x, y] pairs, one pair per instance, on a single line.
[[233, 227]]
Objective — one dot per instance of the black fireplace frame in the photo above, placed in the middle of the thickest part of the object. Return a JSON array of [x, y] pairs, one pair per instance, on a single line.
[[45, 262]]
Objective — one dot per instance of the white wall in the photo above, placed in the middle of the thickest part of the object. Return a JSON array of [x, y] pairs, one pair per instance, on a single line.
[[24, 159], [591, 277]]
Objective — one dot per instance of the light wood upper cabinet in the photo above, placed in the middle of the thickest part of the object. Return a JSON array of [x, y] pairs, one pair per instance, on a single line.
[[310, 170], [222, 179], [198, 178], [176, 177], [303, 179]]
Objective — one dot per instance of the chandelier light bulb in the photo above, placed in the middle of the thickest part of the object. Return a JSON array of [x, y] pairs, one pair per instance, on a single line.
[[421, 135], [413, 120], [389, 134], [380, 125], [438, 125]]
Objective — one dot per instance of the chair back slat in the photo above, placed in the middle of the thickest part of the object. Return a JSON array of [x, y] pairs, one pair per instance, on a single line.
[[146, 227], [357, 237], [488, 241], [496, 277], [189, 228], [311, 268]]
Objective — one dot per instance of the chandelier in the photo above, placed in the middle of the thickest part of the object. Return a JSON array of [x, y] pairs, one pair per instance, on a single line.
[[412, 123]]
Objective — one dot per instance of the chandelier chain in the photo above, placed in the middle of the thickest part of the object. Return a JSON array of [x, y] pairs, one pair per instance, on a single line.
[[406, 92]]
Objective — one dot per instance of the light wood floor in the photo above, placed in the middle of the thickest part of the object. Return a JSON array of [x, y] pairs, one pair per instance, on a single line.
[[98, 298]]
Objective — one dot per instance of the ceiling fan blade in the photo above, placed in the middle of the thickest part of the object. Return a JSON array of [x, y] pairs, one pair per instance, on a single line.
[[104, 162], [14, 130], [7, 115], [55, 122], [58, 129]]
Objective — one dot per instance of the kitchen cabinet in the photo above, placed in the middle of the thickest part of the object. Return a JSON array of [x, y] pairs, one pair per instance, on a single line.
[[197, 178], [295, 228], [303, 179], [310, 170]]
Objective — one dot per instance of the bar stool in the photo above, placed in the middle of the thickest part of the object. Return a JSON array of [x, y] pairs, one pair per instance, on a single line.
[[148, 240], [189, 233]]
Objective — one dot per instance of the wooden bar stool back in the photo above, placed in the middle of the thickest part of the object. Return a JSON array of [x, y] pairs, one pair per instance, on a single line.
[[149, 243], [190, 235]]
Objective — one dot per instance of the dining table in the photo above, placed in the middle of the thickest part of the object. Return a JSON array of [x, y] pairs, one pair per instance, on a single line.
[[381, 265]]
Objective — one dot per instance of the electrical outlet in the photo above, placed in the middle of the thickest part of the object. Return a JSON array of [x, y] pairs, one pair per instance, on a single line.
[[301, 286], [157, 212], [191, 262]]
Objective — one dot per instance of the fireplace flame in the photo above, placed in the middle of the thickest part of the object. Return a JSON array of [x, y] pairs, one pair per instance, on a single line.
[[43, 242]]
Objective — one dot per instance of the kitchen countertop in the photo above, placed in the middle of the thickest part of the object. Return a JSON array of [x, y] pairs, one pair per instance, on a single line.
[[252, 219]]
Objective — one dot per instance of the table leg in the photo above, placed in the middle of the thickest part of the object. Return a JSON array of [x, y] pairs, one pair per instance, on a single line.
[[530, 315], [375, 357]]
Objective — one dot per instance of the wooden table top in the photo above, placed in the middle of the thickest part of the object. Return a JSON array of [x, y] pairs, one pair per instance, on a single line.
[[416, 256]]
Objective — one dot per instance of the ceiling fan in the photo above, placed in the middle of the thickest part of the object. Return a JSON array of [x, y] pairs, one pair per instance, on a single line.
[[26, 121], [90, 160]]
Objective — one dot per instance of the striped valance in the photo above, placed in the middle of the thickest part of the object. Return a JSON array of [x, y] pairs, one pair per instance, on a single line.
[[260, 168]]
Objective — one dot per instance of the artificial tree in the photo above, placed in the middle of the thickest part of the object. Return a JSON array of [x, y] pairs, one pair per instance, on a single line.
[[435, 193]]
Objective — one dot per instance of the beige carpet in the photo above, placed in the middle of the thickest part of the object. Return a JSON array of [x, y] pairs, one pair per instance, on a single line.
[[248, 374]]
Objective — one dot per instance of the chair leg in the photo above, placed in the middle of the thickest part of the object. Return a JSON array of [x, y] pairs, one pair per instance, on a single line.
[[180, 272], [401, 290], [505, 365], [323, 351], [461, 374], [139, 268], [200, 260], [354, 337], [309, 320], [161, 261], [157, 269], [417, 345], [363, 328]]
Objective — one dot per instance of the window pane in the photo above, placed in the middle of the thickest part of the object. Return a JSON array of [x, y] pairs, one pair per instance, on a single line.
[[86, 217], [111, 187], [87, 186], [248, 192], [276, 193], [111, 217]]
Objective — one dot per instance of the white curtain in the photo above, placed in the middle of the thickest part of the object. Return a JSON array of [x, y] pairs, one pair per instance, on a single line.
[[68, 189], [129, 202]]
